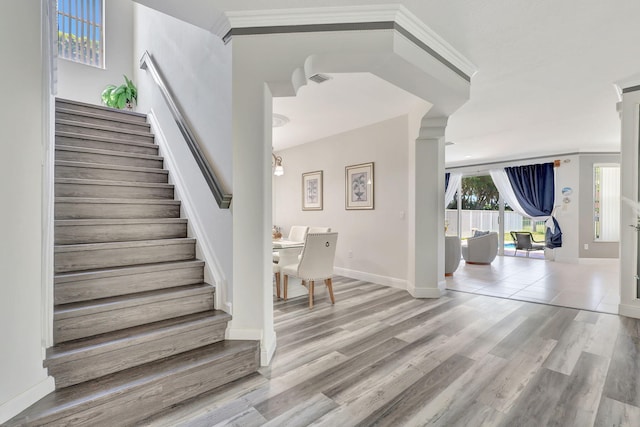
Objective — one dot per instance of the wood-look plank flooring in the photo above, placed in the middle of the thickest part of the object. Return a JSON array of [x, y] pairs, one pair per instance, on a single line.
[[379, 357]]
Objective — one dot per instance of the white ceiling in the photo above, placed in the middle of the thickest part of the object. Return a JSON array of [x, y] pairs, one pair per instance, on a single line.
[[544, 83]]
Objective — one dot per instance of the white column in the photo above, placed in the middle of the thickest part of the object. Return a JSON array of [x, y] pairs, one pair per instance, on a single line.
[[426, 226], [252, 271], [629, 157]]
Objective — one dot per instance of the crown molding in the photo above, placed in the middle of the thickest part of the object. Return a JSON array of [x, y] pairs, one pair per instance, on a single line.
[[394, 16]]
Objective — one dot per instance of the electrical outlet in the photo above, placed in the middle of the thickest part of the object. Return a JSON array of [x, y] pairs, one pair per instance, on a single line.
[[586, 246]]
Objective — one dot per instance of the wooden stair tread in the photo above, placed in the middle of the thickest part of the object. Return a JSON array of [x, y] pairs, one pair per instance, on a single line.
[[60, 101], [125, 271], [84, 396], [111, 167], [62, 147], [85, 308], [124, 221], [119, 245], [92, 126], [81, 181], [116, 201], [124, 118], [104, 139], [117, 339]]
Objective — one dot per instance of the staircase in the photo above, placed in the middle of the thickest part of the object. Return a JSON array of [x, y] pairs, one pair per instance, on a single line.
[[135, 330]]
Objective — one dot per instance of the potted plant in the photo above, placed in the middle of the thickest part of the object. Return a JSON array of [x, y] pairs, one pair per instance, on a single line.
[[120, 96]]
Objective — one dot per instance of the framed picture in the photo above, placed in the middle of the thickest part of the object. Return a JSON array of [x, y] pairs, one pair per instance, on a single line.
[[359, 186], [312, 191]]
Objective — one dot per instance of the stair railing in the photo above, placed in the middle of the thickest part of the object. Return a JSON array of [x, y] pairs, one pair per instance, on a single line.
[[223, 199]]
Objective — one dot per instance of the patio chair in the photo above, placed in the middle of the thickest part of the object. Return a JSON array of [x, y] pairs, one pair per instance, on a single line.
[[524, 241]]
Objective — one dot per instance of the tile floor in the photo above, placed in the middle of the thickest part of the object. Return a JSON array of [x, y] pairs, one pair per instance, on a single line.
[[585, 286]]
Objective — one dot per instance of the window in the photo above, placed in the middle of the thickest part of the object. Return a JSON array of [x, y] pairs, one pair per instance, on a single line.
[[81, 31], [606, 202]]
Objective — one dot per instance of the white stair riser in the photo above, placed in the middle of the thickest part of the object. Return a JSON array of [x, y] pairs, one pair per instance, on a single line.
[[106, 145], [109, 361], [107, 159], [72, 328], [112, 133], [115, 210], [109, 174], [108, 112], [115, 122], [105, 287], [112, 191], [74, 234], [115, 257]]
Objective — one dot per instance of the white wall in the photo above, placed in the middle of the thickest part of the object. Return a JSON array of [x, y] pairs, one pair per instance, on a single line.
[[376, 238], [197, 68], [85, 83], [22, 377]]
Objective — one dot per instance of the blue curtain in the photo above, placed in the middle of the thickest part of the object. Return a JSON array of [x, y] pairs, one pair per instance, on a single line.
[[446, 180], [534, 187]]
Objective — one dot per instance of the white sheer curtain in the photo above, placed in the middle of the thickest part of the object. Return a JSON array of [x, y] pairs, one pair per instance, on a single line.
[[454, 183], [501, 180], [610, 203]]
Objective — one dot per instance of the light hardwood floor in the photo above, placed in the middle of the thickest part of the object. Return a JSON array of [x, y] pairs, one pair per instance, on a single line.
[[594, 286], [380, 357]]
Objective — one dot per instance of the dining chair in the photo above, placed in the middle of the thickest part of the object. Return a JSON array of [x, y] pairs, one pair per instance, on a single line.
[[297, 233], [316, 263], [319, 229], [276, 272]]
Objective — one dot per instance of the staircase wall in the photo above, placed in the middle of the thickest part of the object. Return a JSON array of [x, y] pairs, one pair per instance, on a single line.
[[84, 83], [197, 67], [22, 377]]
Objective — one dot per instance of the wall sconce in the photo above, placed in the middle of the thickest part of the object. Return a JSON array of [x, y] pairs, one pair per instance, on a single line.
[[278, 170]]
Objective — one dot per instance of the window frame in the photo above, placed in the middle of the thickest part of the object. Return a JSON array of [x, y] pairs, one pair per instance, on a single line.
[[85, 20]]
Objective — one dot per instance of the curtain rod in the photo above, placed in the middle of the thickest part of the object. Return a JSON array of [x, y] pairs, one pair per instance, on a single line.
[[502, 162]]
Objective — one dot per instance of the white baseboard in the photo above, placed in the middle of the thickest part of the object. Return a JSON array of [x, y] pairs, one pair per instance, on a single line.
[[213, 270], [428, 292], [604, 261], [373, 278], [27, 398], [629, 311]]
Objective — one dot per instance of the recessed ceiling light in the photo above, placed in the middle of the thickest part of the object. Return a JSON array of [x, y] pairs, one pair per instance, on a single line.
[[279, 120], [467, 157]]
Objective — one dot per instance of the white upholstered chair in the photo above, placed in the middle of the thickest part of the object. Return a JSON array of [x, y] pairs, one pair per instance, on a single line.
[[276, 272], [297, 233], [481, 249], [319, 229], [316, 263]]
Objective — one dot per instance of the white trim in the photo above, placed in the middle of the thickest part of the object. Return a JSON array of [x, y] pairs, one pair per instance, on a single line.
[[48, 177], [629, 310], [213, 270], [373, 278], [346, 15], [598, 261], [13, 407], [428, 292]]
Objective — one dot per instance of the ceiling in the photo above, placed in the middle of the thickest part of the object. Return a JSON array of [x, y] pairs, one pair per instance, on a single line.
[[544, 84]]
